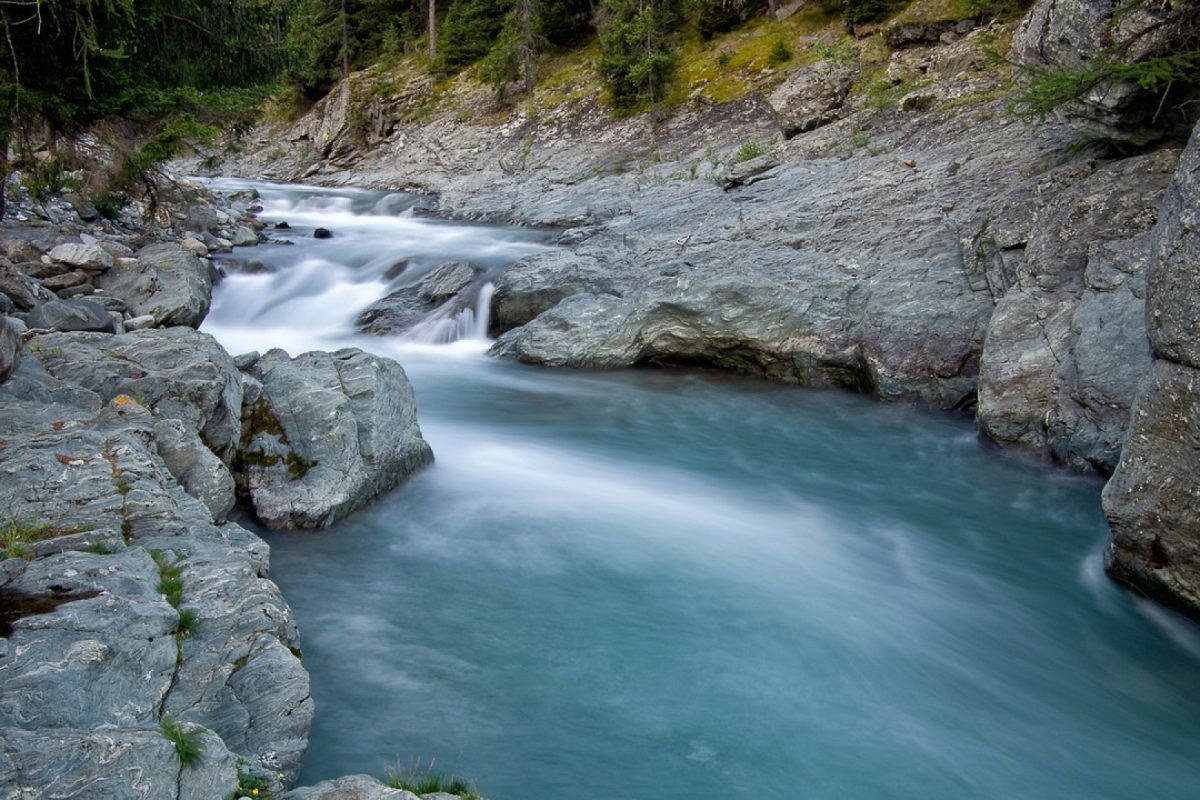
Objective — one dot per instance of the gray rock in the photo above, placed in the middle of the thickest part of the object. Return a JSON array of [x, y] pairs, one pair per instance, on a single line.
[[86, 256], [523, 291], [168, 282], [73, 314], [177, 373], [23, 292], [137, 764], [404, 308], [203, 475], [743, 173], [328, 433], [351, 787], [1071, 33], [244, 237], [1065, 349], [10, 349], [1152, 502], [140, 323], [812, 96]]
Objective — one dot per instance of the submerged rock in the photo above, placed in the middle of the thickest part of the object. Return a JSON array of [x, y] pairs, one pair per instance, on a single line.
[[326, 433]]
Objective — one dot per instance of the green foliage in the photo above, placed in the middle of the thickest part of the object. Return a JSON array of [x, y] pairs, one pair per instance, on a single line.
[[751, 148], [855, 12], [172, 137], [110, 204], [189, 621], [170, 576], [42, 178], [1052, 87], [637, 49], [421, 782], [718, 16], [469, 30], [189, 745], [780, 53]]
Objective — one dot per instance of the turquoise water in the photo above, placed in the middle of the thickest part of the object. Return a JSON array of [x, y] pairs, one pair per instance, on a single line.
[[677, 585]]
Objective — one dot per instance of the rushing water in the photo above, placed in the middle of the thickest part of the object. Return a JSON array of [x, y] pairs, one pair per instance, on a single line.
[[675, 585]]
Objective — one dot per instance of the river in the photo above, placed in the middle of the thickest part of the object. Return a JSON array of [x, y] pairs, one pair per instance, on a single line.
[[670, 584]]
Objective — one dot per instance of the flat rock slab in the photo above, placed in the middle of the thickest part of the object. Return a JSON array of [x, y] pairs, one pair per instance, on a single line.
[[87, 256]]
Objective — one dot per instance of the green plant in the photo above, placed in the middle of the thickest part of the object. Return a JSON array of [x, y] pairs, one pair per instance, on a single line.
[[16, 537], [250, 785], [189, 621], [43, 178], [419, 781], [780, 53], [751, 148], [1052, 87], [189, 744], [170, 576], [724, 57]]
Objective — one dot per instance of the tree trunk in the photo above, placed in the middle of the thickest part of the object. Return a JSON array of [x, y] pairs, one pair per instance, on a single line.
[[773, 10], [432, 28]]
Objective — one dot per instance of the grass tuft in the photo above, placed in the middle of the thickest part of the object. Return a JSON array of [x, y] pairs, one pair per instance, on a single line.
[[189, 745]]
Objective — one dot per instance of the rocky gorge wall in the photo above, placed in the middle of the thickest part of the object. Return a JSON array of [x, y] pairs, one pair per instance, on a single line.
[[930, 247]]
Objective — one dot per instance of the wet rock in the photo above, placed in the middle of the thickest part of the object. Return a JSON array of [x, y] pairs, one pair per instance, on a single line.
[[351, 787], [811, 97], [322, 233], [86, 256], [10, 349], [244, 237], [203, 475], [539, 282], [167, 282], [71, 315], [329, 433], [405, 307]]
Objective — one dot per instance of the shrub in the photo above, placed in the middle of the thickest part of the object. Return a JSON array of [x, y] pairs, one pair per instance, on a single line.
[[42, 178], [780, 53], [751, 148]]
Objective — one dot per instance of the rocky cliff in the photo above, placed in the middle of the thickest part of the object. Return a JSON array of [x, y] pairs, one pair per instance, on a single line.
[[887, 226]]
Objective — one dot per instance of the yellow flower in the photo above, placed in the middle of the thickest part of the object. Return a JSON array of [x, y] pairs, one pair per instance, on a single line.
[[254, 791]]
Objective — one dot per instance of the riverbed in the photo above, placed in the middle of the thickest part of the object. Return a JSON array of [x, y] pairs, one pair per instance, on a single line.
[[673, 584]]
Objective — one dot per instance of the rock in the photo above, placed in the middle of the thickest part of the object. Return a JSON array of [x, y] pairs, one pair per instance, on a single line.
[[137, 763], [71, 315], [10, 349], [86, 256], [23, 292], [328, 433], [1153, 500], [537, 283], [66, 280], [244, 237], [139, 323], [116, 249], [233, 671], [1065, 348], [754, 170], [405, 307], [203, 475], [812, 96], [194, 246], [177, 373], [322, 233], [168, 282], [351, 787], [910, 33], [282, 225], [1069, 34]]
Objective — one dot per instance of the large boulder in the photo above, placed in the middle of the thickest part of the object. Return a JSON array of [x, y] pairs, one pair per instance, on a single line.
[[167, 281], [326, 433], [1153, 499], [178, 373], [538, 282], [75, 314], [1077, 35], [86, 256], [24, 292], [812, 96], [350, 787], [405, 307], [203, 475]]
